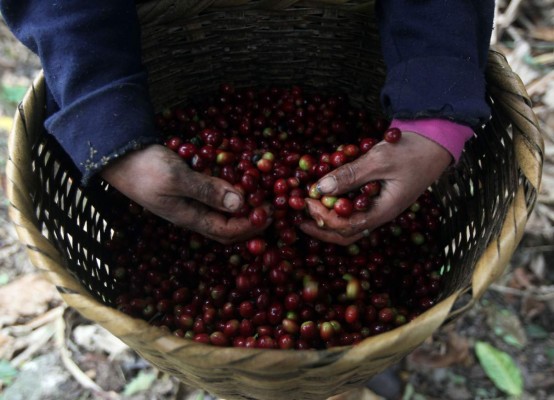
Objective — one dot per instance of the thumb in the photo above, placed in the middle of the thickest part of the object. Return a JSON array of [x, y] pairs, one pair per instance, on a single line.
[[348, 177], [214, 192]]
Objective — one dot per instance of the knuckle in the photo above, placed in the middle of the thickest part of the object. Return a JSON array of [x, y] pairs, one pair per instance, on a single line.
[[347, 174], [205, 191], [335, 224], [381, 157], [173, 178]]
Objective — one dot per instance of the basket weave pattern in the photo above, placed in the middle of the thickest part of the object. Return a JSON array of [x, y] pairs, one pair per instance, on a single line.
[[189, 48]]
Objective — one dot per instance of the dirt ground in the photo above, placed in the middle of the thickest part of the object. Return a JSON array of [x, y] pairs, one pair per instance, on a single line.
[[48, 351]]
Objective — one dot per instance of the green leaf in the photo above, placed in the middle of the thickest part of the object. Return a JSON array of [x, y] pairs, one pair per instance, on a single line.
[[4, 278], [141, 382], [508, 326], [410, 394], [550, 353], [457, 379], [512, 341], [13, 94], [536, 331], [7, 372], [500, 368]]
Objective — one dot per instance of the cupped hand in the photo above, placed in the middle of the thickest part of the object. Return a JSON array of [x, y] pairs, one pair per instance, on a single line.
[[157, 179], [405, 169]]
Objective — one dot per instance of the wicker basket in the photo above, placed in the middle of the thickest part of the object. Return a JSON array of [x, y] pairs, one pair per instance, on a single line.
[[189, 48]]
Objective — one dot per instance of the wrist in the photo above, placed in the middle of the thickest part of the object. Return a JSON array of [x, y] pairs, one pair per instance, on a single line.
[[137, 159], [450, 135]]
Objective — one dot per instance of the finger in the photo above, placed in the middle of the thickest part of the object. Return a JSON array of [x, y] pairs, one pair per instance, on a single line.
[[317, 211], [312, 229], [329, 219], [352, 175], [199, 218], [383, 210], [386, 208], [227, 230], [324, 217], [214, 192]]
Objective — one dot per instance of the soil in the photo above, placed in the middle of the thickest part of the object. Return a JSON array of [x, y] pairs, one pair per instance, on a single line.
[[48, 351]]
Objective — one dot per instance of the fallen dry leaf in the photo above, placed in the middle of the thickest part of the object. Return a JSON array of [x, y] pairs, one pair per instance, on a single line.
[[456, 351], [521, 279], [538, 266], [531, 307], [26, 297], [25, 340], [545, 33], [357, 394], [543, 379], [33, 343], [506, 325], [6, 346], [94, 338]]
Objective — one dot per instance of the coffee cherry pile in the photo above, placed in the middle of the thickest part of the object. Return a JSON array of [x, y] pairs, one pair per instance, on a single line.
[[274, 144], [283, 289]]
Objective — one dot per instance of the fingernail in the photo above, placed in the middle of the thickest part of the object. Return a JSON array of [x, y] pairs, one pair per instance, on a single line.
[[318, 220], [231, 201], [327, 185]]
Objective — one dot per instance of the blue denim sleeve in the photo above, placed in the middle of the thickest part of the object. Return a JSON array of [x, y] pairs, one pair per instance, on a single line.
[[436, 52], [90, 53]]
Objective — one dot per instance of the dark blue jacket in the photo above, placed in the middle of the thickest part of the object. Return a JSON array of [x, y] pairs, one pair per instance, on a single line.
[[98, 107]]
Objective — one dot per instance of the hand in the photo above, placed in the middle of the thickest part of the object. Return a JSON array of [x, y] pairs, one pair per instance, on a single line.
[[160, 181], [406, 169]]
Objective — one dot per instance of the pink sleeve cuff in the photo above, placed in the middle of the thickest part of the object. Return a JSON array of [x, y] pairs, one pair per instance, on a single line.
[[448, 134]]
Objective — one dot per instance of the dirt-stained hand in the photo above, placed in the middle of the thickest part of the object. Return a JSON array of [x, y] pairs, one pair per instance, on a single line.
[[157, 179], [405, 170]]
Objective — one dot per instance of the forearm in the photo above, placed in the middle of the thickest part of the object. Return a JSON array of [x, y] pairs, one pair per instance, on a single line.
[[90, 53], [436, 53]]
